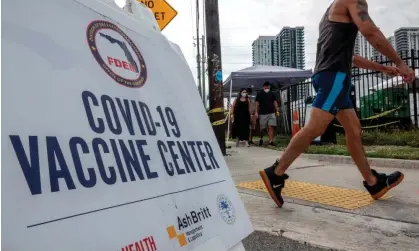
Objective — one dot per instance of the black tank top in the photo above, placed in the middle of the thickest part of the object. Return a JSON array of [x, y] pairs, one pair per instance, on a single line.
[[335, 45]]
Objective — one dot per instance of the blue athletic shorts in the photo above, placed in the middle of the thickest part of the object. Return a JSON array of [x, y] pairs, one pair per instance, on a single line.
[[333, 89]]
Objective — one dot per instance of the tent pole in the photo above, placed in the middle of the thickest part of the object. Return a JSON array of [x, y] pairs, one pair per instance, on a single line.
[[229, 110], [284, 113]]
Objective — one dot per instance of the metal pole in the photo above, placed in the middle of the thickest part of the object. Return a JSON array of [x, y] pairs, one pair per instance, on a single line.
[[198, 56], [414, 89], [229, 110], [204, 94], [215, 78]]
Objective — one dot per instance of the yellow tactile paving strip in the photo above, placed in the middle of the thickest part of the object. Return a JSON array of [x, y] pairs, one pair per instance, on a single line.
[[328, 195]]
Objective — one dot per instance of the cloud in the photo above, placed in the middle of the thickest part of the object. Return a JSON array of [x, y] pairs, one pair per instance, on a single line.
[[242, 21]]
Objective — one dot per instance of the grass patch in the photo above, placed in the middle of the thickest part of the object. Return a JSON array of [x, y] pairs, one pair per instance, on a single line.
[[373, 138], [378, 138], [388, 152], [377, 144], [396, 145]]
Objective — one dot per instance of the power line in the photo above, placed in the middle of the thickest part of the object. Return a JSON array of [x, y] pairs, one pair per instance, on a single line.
[[243, 54]]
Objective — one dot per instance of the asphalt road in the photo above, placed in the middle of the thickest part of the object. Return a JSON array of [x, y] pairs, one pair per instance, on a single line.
[[263, 241]]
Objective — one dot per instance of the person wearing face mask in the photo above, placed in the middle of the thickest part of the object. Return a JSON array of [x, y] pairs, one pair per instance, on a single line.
[[266, 108], [241, 117]]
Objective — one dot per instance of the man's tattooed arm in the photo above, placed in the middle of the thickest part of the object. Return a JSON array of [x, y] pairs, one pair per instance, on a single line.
[[358, 10], [362, 7]]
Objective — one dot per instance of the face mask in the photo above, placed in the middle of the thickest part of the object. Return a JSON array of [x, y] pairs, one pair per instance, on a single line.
[[244, 95], [266, 90]]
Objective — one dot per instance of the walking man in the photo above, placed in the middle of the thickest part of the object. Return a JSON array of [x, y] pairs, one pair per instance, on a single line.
[[332, 80], [266, 109]]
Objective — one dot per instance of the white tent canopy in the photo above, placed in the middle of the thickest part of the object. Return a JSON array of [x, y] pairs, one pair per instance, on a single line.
[[255, 76]]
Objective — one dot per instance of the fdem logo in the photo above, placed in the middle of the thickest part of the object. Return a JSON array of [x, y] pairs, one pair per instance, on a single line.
[[116, 53]]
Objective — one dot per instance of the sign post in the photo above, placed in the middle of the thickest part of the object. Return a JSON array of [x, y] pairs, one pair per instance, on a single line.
[[163, 11]]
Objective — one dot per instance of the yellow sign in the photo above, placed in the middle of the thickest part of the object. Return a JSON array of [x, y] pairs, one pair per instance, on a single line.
[[163, 11]]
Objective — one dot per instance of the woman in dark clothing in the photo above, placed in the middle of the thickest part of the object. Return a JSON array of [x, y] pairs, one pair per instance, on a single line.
[[241, 116]]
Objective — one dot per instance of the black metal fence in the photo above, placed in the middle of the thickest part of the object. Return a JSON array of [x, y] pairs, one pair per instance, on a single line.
[[380, 101]]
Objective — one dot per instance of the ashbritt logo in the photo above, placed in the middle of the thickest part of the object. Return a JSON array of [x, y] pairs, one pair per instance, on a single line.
[[189, 227], [193, 217]]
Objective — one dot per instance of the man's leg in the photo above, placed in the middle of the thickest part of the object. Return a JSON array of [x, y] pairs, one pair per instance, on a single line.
[[251, 136], [263, 121], [350, 122], [262, 134], [271, 133], [302, 140], [274, 177], [252, 129], [328, 86], [377, 184], [271, 127]]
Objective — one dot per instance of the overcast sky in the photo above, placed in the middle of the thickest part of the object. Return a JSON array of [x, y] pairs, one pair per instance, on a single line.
[[242, 21]]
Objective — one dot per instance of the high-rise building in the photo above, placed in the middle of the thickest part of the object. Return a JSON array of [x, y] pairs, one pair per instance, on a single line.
[[285, 49], [363, 47], [291, 47], [392, 41], [264, 51], [406, 39]]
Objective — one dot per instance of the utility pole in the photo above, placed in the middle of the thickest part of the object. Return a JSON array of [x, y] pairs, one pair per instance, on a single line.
[[204, 94], [198, 56], [216, 99]]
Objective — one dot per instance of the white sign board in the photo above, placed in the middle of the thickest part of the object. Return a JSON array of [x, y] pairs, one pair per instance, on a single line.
[[105, 143]]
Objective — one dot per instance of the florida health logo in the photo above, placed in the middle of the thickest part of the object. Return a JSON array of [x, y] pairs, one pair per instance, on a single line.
[[226, 209], [116, 53]]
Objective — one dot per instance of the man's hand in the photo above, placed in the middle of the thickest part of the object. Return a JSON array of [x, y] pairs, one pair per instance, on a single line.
[[407, 73], [364, 63], [391, 71]]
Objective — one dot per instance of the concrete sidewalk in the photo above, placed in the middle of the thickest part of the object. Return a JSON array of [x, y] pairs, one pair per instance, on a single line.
[[390, 224]]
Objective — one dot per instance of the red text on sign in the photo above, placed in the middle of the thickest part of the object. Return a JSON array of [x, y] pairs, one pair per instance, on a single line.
[[146, 244], [121, 64]]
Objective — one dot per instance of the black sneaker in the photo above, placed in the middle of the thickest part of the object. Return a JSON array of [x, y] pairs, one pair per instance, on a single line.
[[272, 144], [384, 183], [251, 143], [261, 142], [274, 183]]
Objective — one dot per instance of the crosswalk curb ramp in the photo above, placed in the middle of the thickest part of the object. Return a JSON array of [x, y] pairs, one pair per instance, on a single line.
[[327, 195]]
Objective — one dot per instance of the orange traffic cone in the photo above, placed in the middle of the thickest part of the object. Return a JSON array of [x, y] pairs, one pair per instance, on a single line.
[[295, 123]]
